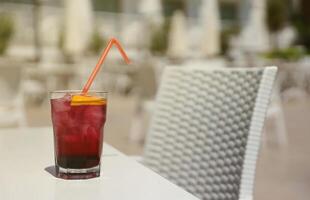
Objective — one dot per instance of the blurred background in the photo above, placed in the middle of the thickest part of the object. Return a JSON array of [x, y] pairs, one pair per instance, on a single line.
[[48, 45]]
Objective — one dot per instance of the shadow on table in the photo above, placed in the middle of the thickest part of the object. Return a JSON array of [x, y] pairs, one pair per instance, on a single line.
[[52, 170]]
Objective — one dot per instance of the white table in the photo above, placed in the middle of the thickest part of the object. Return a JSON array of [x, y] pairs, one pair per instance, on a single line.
[[26, 153]]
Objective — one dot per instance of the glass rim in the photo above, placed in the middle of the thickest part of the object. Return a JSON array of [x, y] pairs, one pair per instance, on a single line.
[[78, 91]]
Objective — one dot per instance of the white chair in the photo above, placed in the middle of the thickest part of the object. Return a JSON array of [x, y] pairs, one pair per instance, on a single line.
[[206, 129], [12, 110]]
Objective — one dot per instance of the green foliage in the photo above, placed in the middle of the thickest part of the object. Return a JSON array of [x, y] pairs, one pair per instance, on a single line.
[[277, 15], [61, 39], [97, 42], [289, 54], [301, 21], [6, 31], [170, 6], [226, 35], [159, 38], [229, 11], [107, 5]]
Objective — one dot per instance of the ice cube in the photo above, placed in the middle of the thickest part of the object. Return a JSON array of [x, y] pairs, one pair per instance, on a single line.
[[94, 115], [61, 104]]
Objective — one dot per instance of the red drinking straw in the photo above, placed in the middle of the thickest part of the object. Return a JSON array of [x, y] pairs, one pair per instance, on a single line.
[[101, 60]]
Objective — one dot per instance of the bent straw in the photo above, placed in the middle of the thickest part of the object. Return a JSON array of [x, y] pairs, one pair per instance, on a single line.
[[101, 60]]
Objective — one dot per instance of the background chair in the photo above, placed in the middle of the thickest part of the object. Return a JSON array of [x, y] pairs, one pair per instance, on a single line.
[[205, 132], [275, 117]]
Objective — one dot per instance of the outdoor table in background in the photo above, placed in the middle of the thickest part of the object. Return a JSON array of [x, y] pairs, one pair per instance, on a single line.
[[27, 159]]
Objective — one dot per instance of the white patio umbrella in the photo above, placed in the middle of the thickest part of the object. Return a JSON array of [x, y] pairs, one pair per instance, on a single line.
[[78, 26], [177, 39], [152, 9], [211, 25], [254, 34]]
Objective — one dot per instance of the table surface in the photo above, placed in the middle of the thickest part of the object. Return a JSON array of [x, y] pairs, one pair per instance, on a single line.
[[26, 157]]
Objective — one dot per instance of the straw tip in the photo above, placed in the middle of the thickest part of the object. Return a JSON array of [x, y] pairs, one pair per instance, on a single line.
[[113, 39]]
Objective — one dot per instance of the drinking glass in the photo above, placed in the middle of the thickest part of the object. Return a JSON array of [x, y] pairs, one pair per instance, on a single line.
[[78, 122]]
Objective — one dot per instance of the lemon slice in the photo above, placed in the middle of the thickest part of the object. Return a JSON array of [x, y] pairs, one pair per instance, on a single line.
[[78, 100]]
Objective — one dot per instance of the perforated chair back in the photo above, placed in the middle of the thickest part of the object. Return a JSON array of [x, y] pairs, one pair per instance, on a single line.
[[205, 132]]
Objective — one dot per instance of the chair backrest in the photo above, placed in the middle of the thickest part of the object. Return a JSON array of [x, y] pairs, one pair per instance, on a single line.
[[205, 132]]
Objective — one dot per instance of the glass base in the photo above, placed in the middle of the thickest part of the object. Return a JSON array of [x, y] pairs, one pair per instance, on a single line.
[[66, 173]]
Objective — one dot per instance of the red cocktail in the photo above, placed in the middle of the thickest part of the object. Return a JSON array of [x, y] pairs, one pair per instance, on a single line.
[[78, 122]]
